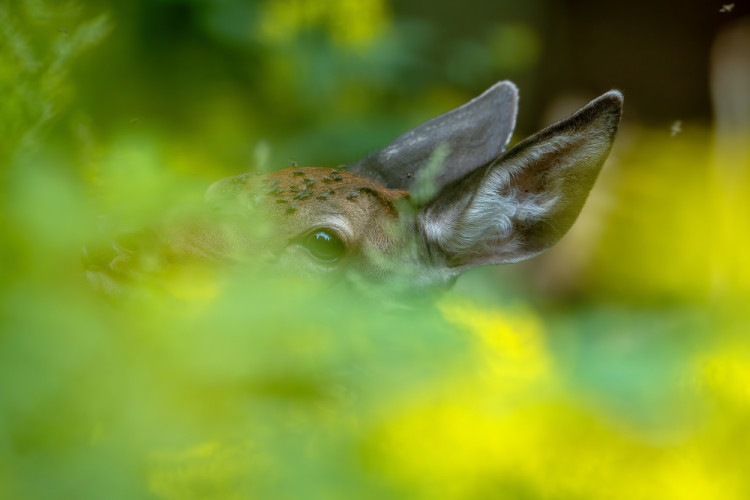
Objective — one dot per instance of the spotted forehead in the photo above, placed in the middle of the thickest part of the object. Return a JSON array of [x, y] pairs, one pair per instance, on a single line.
[[296, 188]]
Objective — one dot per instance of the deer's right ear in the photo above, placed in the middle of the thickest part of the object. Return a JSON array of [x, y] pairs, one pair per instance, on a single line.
[[474, 133], [522, 203]]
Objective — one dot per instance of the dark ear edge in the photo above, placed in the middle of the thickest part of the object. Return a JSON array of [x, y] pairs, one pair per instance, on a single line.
[[607, 107], [522, 203], [474, 133], [596, 125]]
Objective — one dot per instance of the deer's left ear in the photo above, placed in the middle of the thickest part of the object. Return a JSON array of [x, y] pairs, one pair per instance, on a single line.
[[473, 133], [527, 199]]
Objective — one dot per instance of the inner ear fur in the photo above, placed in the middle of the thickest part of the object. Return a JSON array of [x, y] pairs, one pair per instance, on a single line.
[[524, 201]]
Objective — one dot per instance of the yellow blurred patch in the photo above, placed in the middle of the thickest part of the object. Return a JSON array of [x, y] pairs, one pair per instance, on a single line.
[[511, 342], [351, 23]]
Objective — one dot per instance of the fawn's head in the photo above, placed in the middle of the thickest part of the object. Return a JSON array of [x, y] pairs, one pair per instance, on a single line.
[[442, 198]]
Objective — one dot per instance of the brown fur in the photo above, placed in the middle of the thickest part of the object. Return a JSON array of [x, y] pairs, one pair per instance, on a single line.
[[313, 221]]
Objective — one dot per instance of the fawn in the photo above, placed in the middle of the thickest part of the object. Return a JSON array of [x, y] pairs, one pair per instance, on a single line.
[[440, 199]]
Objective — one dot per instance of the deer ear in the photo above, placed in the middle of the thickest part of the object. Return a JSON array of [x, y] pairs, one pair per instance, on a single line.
[[474, 133], [522, 203]]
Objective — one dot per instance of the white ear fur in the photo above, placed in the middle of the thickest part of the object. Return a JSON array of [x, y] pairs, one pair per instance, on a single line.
[[523, 202]]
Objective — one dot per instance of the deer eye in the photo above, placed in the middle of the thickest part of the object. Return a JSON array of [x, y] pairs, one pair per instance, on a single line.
[[324, 245]]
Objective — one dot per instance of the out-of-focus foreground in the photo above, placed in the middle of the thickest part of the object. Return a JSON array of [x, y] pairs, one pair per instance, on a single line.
[[615, 366]]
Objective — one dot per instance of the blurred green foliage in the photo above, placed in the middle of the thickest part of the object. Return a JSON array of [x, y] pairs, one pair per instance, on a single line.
[[229, 387]]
